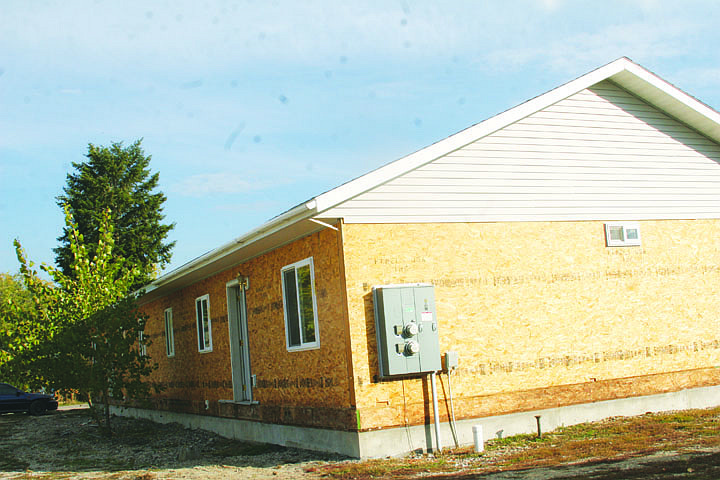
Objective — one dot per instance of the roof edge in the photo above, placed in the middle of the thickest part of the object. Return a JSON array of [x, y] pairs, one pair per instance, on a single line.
[[458, 140], [620, 71], [295, 214]]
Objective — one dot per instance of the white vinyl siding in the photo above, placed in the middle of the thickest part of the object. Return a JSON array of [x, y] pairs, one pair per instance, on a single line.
[[601, 154]]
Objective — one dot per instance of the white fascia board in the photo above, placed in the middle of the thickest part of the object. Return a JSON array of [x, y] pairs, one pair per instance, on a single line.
[[454, 142], [297, 213]]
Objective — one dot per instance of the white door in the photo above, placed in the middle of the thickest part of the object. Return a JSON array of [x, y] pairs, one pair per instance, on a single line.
[[239, 345]]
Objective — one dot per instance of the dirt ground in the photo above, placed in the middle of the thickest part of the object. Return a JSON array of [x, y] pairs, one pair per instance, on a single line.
[[67, 445], [699, 465]]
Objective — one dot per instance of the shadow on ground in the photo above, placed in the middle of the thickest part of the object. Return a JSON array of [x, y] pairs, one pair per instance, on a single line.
[[68, 440]]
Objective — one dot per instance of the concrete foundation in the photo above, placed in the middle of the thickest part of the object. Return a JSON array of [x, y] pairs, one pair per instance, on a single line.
[[398, 441]]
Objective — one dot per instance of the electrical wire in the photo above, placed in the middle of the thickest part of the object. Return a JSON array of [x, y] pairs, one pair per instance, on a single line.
[[453, 425]]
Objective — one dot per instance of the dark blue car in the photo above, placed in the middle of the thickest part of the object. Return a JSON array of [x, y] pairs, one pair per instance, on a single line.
[[15, 400]]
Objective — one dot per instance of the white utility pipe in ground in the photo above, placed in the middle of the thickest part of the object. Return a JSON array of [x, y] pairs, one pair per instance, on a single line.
[[478, 438], [435, 412]]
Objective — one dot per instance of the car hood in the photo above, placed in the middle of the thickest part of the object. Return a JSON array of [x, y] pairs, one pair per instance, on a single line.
[[38, 396]]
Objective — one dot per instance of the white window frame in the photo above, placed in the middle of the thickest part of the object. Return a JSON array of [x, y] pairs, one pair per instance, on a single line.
[[169, 333], [304, 345], [624, 241], [206, 346], [142, 348]]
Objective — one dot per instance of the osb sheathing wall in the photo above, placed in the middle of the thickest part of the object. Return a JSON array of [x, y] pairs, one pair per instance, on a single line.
[[302, 387], [541, 314]]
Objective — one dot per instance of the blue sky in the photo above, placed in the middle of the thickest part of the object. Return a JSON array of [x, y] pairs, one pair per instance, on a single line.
[[250, 107]]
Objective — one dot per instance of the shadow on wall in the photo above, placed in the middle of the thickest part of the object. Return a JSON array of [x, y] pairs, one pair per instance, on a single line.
[[661, 125], [371, 338], [374, 371]]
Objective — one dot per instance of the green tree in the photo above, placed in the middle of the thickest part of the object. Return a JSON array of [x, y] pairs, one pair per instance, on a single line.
[[87, 327], [17, 310], [117, 178]]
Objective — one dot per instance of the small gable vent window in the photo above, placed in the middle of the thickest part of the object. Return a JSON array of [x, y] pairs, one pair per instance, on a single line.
[[622, 234], [298, 288]]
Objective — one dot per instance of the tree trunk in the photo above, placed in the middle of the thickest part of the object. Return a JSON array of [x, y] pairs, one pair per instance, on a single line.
[[108, 427], [94, 411]]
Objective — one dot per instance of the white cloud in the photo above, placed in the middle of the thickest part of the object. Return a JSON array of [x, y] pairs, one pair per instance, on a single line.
[[193, 38], [550, 4], [223, 34], [213, 184], [699, 77], [642, 42]]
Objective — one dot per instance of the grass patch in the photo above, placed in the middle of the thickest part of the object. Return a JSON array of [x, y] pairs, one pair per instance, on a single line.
[[387, 468], [613, 438]]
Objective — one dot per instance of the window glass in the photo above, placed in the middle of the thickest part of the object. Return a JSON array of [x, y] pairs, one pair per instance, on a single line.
[[301, 323], [7, 390], [616, 233], [305, 294], [204, 327], [169, 334], [141, 344], [291, 308]]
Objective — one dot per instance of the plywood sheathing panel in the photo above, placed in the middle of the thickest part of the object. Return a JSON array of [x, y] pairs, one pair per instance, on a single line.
[[190, 375], [537, 305], [419, 410], [312, 378]]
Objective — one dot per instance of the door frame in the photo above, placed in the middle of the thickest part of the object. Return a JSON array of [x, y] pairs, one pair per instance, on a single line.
[[238, 329]]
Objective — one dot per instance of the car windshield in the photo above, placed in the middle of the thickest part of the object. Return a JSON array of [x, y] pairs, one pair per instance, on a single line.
[[6, 389]]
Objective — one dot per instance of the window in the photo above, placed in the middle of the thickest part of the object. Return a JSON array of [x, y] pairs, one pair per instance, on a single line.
[[169, 334], [204, 327], [6, 389], [622, 234], [301, 323], [142, 348]]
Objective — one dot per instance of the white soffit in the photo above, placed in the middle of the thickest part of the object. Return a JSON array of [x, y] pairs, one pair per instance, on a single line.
[[278, 231], [670, 99]]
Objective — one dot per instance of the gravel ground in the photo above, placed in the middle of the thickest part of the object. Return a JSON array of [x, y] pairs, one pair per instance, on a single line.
[[698, 465], [66, 444]]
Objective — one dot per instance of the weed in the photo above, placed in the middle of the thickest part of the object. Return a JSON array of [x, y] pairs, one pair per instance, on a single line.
[[611, 438], [388, 468]]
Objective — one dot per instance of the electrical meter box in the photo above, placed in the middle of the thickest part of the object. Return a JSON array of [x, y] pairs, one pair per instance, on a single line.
[[407, 329]]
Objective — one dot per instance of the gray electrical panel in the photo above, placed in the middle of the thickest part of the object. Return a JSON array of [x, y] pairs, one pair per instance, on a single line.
[[407, 329]]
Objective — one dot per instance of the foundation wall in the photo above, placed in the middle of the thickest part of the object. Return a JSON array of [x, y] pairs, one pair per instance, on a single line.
[[542, 314], [296, 388], [401, 440]]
